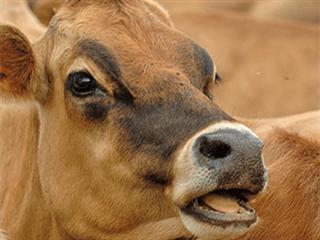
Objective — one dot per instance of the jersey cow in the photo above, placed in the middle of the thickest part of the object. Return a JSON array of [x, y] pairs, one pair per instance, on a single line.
[[18, 13], [290, 208], [113, 134], [2, 235], [255, 55]]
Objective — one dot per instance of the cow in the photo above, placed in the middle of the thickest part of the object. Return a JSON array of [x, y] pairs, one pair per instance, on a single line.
[[290, 207], [17, 13], [293, 10], [267, 61], [2, 235], [45, 10], [109, 131]]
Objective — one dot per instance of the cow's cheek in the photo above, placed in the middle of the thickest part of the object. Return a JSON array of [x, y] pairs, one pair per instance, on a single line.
[[85, 169]]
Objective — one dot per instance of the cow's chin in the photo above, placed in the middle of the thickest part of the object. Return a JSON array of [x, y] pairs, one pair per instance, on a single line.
[[206, 231], [219, 215]]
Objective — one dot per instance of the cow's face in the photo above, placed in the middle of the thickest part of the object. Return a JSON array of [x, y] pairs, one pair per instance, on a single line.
[[129, 133]]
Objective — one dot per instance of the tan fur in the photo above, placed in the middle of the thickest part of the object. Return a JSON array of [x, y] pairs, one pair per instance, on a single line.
[[292, 10], [289, 210], [45, 9], [3, 235], [17, 13], [269, 65], [288, 10], [290, 206], [305, 124]]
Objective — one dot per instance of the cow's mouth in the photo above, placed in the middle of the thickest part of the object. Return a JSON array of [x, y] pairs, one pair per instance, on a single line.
[[222, 208]]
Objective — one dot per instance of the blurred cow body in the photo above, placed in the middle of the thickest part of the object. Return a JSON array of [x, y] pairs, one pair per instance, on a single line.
[[271, 66], [290, 208], [17, 13], [298, 10]]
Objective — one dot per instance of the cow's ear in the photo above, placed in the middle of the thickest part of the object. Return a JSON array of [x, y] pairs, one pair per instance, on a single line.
[[17, 63]]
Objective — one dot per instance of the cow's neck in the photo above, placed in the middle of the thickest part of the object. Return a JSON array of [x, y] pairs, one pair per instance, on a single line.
[[23, 211]]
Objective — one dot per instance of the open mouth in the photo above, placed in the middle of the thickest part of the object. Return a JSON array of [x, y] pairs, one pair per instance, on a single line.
[[223, 208]]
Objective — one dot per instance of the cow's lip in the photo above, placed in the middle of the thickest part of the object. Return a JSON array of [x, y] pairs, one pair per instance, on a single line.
[[201, 211]]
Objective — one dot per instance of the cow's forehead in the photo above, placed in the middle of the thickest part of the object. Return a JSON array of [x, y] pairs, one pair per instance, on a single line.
[[139, 29], [144, 46], [111, 12]]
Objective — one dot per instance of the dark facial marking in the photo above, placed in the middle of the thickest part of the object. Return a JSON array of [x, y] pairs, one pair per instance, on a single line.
[[163, 127], [96, 111], [32, 4], [156, 179], [218, 78], [2, 76], [108, 64], [185, 238], [204, 60]]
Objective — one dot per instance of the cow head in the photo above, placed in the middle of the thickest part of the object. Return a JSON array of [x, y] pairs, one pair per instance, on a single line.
[[129, 133]]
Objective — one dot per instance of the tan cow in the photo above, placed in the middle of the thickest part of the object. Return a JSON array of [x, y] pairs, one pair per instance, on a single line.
[[308, 10], [290, 208], [45, 9], [18, 14], [2, 235], [113, 133], [271, 66]]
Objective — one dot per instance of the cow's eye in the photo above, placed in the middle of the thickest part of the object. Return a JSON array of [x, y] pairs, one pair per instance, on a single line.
[[82, 84]]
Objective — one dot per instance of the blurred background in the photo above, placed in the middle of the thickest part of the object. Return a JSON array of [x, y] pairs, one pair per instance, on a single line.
[[266, 51]]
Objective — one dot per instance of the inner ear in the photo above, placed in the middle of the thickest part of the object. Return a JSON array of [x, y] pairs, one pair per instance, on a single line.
[[16, 62]]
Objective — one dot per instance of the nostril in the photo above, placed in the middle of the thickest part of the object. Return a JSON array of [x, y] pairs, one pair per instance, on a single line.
[[214, 149]]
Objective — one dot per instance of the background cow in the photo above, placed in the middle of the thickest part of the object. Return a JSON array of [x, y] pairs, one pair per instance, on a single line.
[[2, 235], [289, 10], [269, 64], [290, 208], [17, 13]]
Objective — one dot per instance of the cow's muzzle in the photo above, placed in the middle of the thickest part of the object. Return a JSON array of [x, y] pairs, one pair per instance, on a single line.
[[216, 172]]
